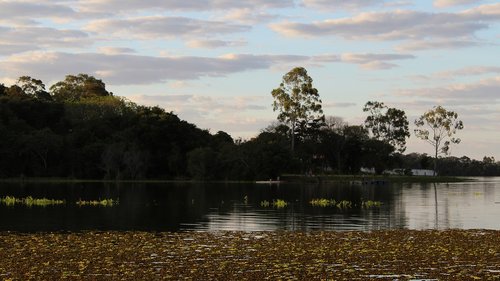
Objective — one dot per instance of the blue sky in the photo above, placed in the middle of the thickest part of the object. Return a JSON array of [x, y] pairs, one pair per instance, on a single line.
[[215, 62]]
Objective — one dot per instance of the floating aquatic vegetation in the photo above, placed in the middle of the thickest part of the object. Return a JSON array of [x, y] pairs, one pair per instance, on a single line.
[[322, 202], [316, 255], [30, 201], [278, 204], [371, 204], [101, 203], [344, 204], [44, 202]]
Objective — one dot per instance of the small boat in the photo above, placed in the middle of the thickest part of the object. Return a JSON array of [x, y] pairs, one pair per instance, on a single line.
[[269, 182]]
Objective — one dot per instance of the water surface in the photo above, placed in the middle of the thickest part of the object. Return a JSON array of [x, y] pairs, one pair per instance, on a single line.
[[214, 207]]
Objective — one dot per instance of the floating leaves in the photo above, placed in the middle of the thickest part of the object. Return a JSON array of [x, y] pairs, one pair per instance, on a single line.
[[44, 202], [378, 255], [344, 204], [278, 204], [30, 201], [100, 203]]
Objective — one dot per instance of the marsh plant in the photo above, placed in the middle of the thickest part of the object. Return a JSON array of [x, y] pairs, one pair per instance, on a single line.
[[98, 203], [30, 201], [265, 204], [371, 204], [344, 204], [44, 202], [278, 204], [323, 202]]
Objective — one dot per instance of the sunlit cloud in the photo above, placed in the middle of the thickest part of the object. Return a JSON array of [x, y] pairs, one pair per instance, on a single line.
[[160, 27], [447, 3], [484, 91], [422, 30], [250, 16], [341, 4], [374, 61], [213, 44], [30, 38], [129, 69], [116, 50], [12, 10], [235, 114], [180, 5]]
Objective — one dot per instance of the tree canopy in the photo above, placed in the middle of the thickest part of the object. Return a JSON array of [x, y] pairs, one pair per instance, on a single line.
[[76, 87], [438, 127], [297, 101], [82, 131], [387, 124]]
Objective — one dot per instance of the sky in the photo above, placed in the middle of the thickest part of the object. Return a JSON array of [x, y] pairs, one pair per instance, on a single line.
[[214, 63]]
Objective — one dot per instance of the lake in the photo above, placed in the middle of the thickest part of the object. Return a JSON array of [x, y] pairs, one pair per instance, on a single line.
[[241, 207]]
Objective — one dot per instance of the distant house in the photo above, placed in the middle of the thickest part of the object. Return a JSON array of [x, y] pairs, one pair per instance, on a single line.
[[422, 172], [365, 170]]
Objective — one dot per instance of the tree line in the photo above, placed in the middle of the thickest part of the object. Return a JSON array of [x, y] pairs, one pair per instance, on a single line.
[[78, 129]]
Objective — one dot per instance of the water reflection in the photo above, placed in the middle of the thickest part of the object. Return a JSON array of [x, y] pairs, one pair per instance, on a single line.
[[213, 207]]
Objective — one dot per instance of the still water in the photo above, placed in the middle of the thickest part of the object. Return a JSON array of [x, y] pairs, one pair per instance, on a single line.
[[214, 207]]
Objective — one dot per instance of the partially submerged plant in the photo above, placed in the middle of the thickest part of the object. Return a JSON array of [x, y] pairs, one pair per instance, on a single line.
[[102, 203], [278, 204], [344, 204], [265, 204], [371, 204], [30, 201], [322, 202]]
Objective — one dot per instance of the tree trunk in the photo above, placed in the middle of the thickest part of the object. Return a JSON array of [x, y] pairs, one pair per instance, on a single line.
[[293, 136], [435, 161]]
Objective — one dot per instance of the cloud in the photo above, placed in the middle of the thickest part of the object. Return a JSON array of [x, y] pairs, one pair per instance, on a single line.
[[250, 16], [231, 114], [374, 61], [468, 71], [436, 44], [213, 44], [11, 10], [26, 38], [448, 3], [487, 12], [341, 4], [115, 50], [380, 26], [419, 28], [462, 72], [129, 69], [339, 104], [10, 49], [180, 5], [482, 92], [154, 27]]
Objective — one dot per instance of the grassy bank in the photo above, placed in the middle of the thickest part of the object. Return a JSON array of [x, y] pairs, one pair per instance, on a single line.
[[379, 255]]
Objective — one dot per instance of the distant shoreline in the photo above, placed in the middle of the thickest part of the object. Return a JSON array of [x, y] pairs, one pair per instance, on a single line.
[[356, 179], [373, 179]]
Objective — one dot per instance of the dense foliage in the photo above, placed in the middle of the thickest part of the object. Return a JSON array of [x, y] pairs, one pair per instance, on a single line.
[[80, 130]]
